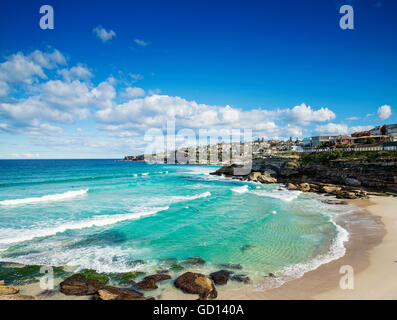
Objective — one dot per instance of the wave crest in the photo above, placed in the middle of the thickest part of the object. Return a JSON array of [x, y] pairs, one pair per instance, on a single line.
[[46, 198], [96, 221]]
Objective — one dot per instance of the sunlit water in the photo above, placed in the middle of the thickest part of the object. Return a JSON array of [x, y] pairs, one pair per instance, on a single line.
[[116, 216]]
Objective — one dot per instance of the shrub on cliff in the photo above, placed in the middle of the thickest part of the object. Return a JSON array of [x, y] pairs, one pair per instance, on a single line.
[[338, 154]]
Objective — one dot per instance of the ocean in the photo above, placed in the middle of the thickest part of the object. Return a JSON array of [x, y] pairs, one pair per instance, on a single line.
[[116, 216]]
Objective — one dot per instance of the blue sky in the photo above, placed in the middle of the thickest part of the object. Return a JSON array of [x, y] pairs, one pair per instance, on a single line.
[[112, 70]]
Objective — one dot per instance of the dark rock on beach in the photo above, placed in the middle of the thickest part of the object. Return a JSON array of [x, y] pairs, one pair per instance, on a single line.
[[220, 277], [113, 293], [196, 283], [149, 282], [77, 285]]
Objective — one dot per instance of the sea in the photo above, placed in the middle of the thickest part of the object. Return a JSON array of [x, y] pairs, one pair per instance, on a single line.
[[116, 216]]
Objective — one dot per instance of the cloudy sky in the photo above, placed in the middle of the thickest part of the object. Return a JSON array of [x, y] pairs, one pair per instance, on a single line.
[[110, 71]]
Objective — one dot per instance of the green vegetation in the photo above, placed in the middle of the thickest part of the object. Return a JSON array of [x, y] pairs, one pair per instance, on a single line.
[[17, 275], [338, 154], [126, 276], [89, 274]]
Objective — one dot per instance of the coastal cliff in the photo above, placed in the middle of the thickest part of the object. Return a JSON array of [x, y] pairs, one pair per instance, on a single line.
[[346, 176]]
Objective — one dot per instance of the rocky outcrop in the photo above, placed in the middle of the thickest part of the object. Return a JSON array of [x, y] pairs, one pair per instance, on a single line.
[[77, 285], [266, 177], [113, 293], [196, 283], [346, 178], [149, 282], [220, 277]]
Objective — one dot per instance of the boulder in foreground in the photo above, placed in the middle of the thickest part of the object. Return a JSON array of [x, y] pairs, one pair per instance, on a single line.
[[113, 293], [196, 283], [77, 285]]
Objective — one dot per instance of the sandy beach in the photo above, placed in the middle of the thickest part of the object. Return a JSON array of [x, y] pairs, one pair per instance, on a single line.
[[371, 251]]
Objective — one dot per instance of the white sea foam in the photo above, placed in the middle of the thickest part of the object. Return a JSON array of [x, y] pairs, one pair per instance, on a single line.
[[336, 251], [47, 198], [242, 189], [187, 198], [284, 195], [100, 258], [19, 235], [145, 174]]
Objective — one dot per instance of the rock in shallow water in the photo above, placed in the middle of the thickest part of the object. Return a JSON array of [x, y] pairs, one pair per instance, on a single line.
[[149, 282], [235, 266], [240, 278], [220, 277], [196, 283], [195, 261]]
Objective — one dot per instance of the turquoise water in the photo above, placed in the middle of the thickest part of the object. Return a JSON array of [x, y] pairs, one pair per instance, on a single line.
[[116, 216]]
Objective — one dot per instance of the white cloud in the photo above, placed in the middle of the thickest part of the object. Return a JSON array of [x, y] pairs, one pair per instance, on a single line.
[[27, 155], [3, 88], [339, 128], [104, 94], [154, 91], [360, 128], [20, 69], [332, 129], [353, 118], [134, 92], [103, 34], [304, 115], [48, 60], [78, 72], [56, 101], [140, 115], [135, 77], [141, 42], [384, 112]]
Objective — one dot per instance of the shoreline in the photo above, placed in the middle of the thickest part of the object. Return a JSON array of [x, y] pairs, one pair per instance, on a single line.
[[369, 250]]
